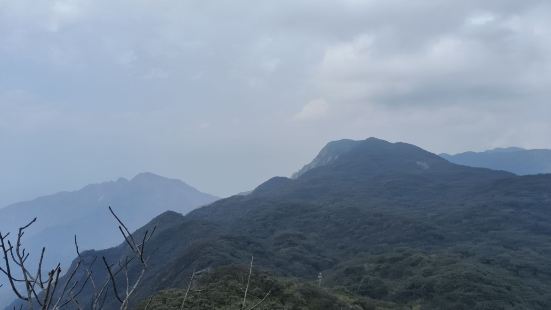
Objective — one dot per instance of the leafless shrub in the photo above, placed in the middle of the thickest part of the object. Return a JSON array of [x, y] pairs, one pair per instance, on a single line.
[[44, 291], [138, 254]]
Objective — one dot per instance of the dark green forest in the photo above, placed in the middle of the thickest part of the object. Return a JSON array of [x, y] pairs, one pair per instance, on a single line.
[[389, 226]]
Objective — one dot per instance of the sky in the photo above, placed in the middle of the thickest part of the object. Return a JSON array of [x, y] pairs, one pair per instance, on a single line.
[[226, 94]]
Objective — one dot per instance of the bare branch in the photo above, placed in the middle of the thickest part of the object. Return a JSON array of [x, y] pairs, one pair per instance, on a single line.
[[148, 303], [248, 282], [76, 247], [114, 283], [7, 265], [187, 291], [261, 301], [43, 291], [68, 281], [39, 272], [125, 228]]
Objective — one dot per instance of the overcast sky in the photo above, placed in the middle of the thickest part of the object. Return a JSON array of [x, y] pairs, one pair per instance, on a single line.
[[225, 94]]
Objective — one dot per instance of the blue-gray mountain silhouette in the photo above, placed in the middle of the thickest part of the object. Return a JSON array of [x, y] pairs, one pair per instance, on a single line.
[[512, 159], [85, 213]]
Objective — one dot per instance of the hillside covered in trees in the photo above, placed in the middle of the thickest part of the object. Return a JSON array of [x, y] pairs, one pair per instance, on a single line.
[[373, 225]]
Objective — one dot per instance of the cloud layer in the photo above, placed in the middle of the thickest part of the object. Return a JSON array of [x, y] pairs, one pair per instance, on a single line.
[[91, 90]]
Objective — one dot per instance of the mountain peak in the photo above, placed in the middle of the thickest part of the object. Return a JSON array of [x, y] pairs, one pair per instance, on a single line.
[[147, 176], [369, 148], [330, 152]]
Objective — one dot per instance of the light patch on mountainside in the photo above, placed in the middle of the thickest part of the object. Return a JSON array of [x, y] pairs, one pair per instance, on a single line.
[[329, 153]]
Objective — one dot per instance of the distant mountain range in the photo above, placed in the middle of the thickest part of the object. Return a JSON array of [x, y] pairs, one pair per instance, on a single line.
[[513, 159], [84, 213], [377, 225]]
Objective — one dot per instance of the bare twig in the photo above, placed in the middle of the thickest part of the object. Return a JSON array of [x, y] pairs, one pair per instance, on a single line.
[[112, 277], [41, 290], [248, 282], [187, 291], [261, 301], [7, 266], [138, 252], [148, 303], [125, 233]]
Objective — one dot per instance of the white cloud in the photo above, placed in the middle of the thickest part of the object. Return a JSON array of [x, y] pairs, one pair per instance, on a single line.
[[313, 110], [481, 19], [497, 65], [64, 12], [472, 74], [156, 74], [127, 58], [270, 65]]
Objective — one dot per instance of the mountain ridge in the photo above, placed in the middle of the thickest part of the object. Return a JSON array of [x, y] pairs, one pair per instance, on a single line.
[[417, 230], [513, 159], [84, 213]]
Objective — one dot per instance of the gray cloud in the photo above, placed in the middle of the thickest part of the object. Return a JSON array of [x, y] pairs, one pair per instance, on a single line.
[[92, 90]]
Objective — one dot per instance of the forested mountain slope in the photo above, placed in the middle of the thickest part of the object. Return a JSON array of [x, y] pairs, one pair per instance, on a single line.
[[387, 223]]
